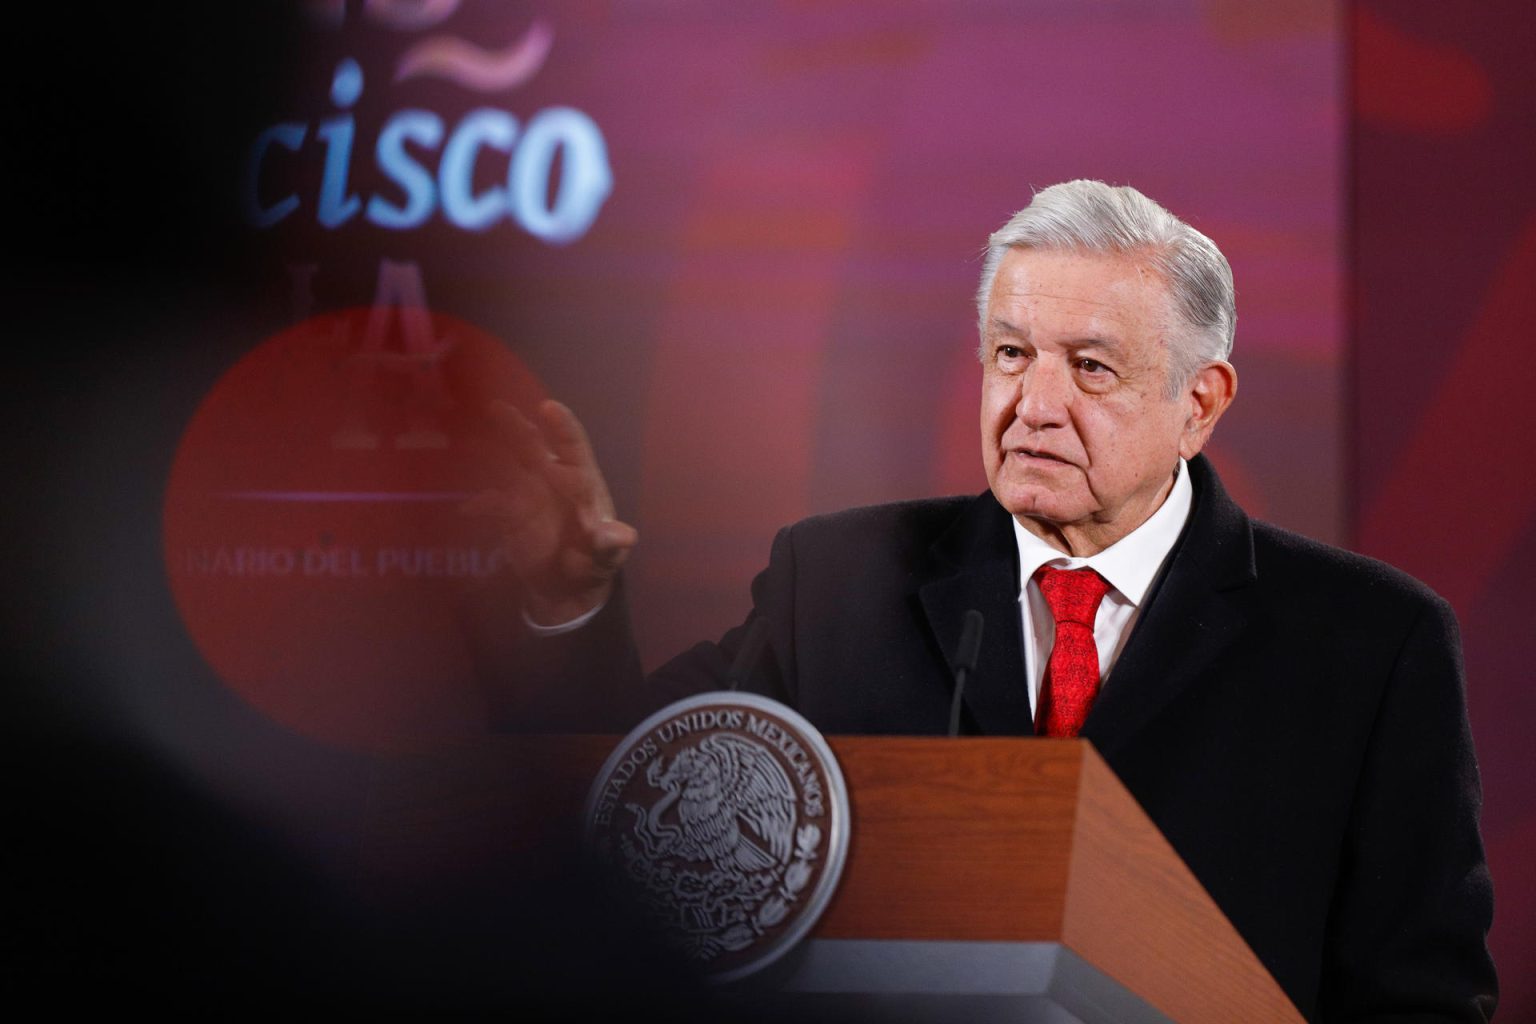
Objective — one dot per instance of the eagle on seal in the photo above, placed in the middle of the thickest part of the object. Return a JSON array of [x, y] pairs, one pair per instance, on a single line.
[[719, 785]]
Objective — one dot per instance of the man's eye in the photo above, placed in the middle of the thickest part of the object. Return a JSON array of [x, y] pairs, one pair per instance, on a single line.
[[1092, 366], [1009, 352]]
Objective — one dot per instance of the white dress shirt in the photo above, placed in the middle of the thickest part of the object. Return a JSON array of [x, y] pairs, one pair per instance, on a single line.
[[1129, 566]]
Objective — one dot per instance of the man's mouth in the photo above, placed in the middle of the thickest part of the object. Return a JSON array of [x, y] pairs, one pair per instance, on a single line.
[[1040, 456]]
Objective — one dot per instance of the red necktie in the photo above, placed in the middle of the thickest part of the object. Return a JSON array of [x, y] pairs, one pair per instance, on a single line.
[[1072, 675]]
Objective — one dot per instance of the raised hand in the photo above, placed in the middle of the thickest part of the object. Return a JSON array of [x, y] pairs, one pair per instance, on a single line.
[[556, 516]]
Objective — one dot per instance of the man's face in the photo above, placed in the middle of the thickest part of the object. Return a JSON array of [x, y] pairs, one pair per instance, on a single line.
[[1079, 437]]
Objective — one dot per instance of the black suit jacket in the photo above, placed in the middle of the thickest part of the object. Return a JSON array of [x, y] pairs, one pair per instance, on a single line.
[[1291, 716]]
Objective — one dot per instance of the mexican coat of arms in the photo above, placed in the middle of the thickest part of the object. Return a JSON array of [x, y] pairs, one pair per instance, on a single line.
[[727, 815]]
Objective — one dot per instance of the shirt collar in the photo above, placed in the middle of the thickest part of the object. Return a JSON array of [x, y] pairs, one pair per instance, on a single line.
[[1132, 562]]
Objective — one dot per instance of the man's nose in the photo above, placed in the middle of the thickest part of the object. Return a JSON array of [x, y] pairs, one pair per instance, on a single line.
[[1045, 393]]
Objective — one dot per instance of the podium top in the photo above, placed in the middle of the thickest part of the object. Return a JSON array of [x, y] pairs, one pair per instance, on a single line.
[[972, 839]]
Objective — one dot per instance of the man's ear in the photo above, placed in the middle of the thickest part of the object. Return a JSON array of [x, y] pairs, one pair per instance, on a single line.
[[1209, 393]]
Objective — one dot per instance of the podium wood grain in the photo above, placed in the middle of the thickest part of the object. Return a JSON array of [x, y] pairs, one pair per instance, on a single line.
[[1036, 840]]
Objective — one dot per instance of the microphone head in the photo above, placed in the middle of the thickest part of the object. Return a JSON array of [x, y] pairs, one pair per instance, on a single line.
[[970, 642]]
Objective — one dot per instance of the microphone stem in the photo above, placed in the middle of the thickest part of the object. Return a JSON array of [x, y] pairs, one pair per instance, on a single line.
[[954, 705]]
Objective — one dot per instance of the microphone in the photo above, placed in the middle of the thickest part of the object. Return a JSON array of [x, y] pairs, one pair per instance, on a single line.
[[966, 653], [750, 653]]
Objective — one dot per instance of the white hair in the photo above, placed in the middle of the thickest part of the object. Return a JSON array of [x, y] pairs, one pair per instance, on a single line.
[[1090, 216]]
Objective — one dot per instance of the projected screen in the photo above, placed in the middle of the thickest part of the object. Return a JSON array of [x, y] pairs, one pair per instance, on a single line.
[[743, 245]]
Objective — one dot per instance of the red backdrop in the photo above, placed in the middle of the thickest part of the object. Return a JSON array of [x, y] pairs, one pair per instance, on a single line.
[[1443, 260]]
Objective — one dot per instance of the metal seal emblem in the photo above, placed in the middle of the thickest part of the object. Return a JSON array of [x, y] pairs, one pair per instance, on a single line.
[[728, 815]]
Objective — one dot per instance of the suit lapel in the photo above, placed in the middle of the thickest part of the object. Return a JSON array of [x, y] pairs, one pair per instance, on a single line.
[[976, 566], [1191, 616]]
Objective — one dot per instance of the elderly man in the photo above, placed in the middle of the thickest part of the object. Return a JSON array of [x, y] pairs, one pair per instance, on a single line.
[[1290, 715]]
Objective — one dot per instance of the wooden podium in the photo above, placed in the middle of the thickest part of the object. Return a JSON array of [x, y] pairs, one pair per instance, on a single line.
[[986, 880]]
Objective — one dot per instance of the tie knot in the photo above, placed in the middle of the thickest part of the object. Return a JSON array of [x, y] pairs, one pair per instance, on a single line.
[[1073, 594]]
